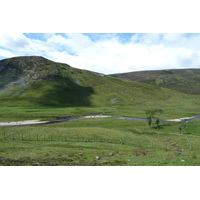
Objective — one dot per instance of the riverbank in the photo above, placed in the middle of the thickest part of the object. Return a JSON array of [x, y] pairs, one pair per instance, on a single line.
[[20, 123]]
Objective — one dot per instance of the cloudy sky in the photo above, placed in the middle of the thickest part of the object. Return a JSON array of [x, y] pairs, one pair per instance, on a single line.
[[107, 52]]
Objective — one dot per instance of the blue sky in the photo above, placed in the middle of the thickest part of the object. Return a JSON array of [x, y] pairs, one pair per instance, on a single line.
[[107, 52]]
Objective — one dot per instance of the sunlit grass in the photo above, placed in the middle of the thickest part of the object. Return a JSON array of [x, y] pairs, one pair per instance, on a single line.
[[100, 141]]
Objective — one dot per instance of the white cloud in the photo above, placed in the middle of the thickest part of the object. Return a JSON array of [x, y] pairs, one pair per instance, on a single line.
[[107, 54], [6, 53], [78, 42], [146, 39], [14, 41]]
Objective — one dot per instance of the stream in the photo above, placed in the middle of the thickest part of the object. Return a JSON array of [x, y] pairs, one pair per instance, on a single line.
[[64, 119], [115, 116]]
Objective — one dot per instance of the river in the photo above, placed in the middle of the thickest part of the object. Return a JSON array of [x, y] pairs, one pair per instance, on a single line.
[[64, 119]]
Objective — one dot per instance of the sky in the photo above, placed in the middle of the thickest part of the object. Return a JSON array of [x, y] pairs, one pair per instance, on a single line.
[[108, 53]]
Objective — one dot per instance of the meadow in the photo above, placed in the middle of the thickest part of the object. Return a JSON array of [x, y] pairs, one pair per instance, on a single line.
[[99, 141]]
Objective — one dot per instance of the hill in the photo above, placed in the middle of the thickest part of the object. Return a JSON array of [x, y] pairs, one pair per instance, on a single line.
[[183, 80], [37, 81]]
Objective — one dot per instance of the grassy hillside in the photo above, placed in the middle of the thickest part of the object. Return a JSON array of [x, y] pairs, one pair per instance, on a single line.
[[183, 80], [36, 81]]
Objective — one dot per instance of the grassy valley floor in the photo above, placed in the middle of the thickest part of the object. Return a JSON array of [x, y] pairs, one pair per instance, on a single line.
[[98, 141]]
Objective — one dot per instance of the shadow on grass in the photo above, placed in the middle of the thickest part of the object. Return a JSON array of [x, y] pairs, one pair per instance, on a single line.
[[53, 93], [158, 127]]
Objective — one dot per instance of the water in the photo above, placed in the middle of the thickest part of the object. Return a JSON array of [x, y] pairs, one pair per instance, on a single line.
[[64, 119]]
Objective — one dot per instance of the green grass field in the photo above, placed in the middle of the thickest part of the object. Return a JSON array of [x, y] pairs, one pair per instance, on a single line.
[[98, 141]]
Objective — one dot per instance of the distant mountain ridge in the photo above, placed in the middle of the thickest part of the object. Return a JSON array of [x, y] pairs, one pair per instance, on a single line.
[[183, 80], [37, 81]]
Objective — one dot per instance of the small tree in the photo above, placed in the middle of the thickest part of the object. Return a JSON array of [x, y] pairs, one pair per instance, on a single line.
[[153, 114], [150, 116], [149, 121], [182, 127], [157, 121], [157, 112]]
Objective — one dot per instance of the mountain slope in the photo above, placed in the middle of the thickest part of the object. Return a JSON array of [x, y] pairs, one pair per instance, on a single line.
[[36, 81], [183, 80]]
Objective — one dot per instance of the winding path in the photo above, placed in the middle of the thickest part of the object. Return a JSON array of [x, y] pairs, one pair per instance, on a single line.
[[64, 119]]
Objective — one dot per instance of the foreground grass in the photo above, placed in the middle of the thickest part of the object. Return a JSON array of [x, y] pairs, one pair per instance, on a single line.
[[105, 141]]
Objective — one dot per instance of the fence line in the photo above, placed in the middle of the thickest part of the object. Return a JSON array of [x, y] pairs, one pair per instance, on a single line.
[[51, 137]]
